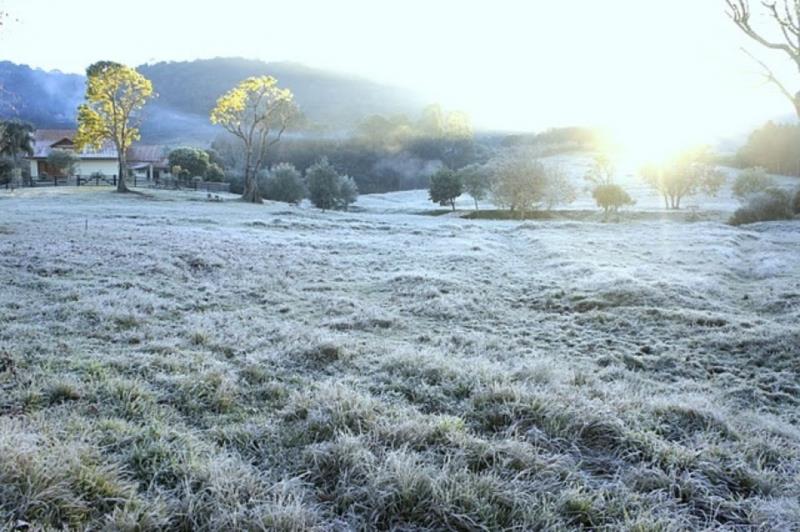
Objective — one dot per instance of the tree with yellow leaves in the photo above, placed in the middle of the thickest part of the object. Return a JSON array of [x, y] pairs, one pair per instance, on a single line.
[[115, 96], [257, 112]]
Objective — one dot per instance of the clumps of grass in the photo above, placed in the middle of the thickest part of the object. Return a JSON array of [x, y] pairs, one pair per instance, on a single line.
[[324, 353], [678, 422], [212, 391], [62, 392], [127, 398], [199, 338], [331, 408], [125, 322], [56, 483]]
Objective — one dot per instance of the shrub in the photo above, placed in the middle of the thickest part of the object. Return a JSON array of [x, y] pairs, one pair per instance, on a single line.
[[751, 181], [348, 191], [445, 187], [611, 197], [323, 185], [284, 183], [215, 173], [192, 160], [772, 204]]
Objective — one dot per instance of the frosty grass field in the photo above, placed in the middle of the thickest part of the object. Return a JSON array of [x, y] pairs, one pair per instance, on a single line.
[[172, 363]]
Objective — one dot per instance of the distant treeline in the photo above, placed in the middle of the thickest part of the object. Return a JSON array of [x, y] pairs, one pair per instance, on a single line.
[[385, 154], [557, 140], [775, 147]]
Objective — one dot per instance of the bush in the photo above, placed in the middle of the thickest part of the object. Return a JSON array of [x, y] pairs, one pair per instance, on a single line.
[[772, 204], [193, 161], [215, 173], [284, 183], [323, 185], [445, 187], [348, 191], [751, 181], [611, 197]]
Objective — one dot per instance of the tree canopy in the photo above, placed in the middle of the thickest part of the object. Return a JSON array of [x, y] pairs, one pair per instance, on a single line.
[[445, 187], [684, 175], [115, 96], [257, 112]]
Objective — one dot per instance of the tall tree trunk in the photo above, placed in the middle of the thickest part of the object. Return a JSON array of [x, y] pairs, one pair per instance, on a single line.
[[251, 193], [121, 186], [476, 204]]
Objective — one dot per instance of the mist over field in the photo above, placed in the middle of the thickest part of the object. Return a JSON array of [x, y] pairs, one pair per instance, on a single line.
[[347, 266]]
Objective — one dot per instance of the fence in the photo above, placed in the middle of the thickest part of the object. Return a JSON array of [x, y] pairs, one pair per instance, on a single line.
[[97, 180]]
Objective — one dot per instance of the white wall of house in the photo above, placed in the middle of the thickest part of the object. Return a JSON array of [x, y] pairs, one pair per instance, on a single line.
[[107, 168], [85, 168]]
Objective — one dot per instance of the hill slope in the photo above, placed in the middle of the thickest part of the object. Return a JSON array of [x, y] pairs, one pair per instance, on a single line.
[[187, 92]]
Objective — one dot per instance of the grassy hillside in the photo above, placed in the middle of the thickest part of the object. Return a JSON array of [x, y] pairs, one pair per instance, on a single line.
[[176, 364]]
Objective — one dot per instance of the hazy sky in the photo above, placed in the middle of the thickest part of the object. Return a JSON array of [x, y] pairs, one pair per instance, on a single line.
[[642, 67]]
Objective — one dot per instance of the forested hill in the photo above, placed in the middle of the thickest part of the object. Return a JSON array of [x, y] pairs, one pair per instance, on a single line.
[[187, 92]]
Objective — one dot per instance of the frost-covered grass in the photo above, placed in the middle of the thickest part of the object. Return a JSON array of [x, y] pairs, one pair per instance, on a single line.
[[176, 364]]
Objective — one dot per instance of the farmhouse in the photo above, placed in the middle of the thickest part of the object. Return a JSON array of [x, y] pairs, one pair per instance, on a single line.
[[146, 161]]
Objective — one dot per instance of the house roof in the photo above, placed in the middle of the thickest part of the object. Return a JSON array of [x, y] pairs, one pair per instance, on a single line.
[[45, 140]]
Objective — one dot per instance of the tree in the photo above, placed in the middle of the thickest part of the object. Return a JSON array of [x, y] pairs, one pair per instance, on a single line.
[[445, 187], [257, 112], [775, 147], [602, 171], [115, 96], [16, 140], [65, 161], [215, 173], [785, 16], [521, 183], [685, 175], [611, 197], [323, 185], [284, 183], [751, 181], [476, 182], [348, 191], [193, 160]]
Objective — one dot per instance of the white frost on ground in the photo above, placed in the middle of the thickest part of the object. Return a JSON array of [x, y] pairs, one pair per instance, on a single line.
[[423, 320]]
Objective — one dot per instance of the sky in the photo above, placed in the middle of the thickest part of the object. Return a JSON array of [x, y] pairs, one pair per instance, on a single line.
[[668, 70]]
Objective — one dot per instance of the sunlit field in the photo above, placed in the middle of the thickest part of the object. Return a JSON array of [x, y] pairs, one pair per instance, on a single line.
[[172, 363]]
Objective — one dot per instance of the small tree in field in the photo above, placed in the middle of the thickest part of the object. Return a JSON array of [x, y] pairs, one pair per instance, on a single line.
[[751, 181], [323, 185], [445, 187], [115, 96], [685, 175], [257, 112], [608, 195], [476, 182], [611, 197], [522, 183], [284, 183], [66, 162], [348, 191]]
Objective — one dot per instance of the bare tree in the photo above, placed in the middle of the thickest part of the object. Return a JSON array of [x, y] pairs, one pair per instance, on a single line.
[[785, 14]]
